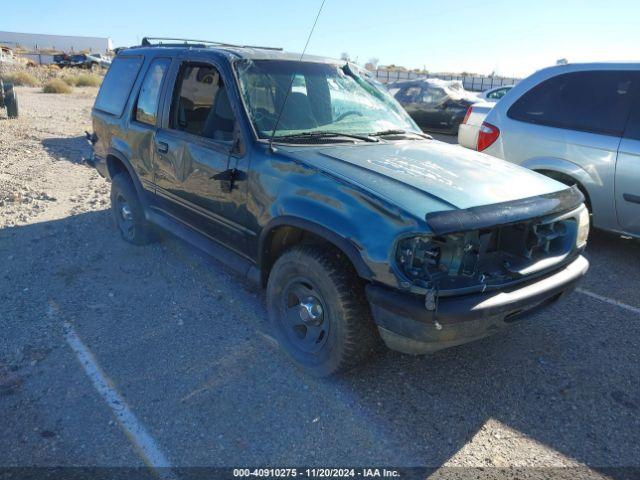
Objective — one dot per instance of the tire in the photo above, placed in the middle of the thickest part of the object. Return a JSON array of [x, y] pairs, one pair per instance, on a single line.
[[11, 102], [128, 212], [318, 310]]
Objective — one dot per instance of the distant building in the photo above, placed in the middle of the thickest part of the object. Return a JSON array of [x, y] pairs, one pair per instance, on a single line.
[[37, 42]]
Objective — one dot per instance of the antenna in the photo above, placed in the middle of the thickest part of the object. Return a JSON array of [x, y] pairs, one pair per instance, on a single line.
[[286, 95]]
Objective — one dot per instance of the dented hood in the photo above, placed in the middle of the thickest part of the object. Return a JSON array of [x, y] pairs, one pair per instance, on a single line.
[[426, 176]]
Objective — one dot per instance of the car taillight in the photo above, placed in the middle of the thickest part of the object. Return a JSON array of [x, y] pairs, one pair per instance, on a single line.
[[467, 115], [487, 135]]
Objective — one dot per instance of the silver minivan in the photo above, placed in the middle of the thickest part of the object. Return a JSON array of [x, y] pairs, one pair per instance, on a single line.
[[580, 124]]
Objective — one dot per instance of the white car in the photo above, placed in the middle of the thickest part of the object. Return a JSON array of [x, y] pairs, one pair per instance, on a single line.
[[471, 124], [495, 94]]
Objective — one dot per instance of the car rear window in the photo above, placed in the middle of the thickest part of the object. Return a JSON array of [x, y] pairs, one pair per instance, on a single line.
[[117, 84], [592, 101]]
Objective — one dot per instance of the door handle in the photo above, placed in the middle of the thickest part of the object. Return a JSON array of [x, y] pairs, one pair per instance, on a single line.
[[631, 198], [162, 147]]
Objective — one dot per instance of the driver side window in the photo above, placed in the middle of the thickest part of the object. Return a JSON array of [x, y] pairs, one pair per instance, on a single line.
[[200, 103]]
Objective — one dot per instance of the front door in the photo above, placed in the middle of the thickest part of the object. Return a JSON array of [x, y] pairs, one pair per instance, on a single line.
[[194, 151]]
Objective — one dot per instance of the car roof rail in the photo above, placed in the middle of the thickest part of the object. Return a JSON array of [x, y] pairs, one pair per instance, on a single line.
[[187, 42]]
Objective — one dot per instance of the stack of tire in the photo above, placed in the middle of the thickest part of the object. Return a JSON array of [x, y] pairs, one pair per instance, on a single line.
[[9, 99]]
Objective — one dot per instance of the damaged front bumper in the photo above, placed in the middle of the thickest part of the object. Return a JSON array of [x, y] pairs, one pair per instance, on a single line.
[[407, 326]]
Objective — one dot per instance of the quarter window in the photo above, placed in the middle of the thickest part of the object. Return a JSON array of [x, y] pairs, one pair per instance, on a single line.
[[201, 105], [147, 106], [595, 101], [117, 84]]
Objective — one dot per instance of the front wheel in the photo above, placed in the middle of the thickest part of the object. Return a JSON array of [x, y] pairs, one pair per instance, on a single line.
[[318, 310]]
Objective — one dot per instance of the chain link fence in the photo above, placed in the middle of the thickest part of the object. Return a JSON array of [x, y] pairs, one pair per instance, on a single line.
[[470, 82]]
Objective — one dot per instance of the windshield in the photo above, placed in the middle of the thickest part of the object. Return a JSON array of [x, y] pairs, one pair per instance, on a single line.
[[322, 98]]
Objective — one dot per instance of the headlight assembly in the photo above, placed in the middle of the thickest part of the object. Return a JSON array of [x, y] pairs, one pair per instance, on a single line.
[[418, 257]]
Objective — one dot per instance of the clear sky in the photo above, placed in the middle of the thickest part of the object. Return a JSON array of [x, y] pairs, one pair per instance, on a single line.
[[510, 37]]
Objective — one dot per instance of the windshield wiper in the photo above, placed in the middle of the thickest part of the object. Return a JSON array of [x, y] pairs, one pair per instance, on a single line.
[[399, 132], [325, 134]]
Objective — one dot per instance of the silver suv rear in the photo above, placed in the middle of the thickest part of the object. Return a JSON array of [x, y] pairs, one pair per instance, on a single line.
[[579, 124]]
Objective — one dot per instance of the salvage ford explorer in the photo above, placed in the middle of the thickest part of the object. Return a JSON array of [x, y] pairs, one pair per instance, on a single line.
[[309, 179]]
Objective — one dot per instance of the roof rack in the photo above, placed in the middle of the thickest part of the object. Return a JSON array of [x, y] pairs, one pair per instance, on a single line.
[[186, 42]]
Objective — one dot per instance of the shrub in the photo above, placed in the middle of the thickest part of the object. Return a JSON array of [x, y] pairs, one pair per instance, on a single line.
[[71, 80], [54, 67], [82, 80], [21, 79], [56, 85], [87, 80]]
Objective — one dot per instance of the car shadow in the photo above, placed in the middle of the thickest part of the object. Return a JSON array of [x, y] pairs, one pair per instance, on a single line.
[[70, 149], [566, 379]]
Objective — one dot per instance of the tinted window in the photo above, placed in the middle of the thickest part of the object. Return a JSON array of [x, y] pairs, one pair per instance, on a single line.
[[200, 104], [588, 101], [117, 84], [147, 105], [633, 125]]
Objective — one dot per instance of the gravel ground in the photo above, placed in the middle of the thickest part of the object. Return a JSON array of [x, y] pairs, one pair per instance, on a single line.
[[186, 345]]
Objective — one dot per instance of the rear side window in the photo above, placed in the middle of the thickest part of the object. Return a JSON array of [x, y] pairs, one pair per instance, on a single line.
[[594, 101], [117, 84], [147, 105]]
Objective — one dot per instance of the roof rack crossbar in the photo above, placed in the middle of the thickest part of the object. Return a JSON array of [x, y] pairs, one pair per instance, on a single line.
[[187, 42]]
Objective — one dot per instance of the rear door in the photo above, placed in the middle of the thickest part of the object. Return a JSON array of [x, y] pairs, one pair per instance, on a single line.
[[196, 150], [627, 191], [144, 120]]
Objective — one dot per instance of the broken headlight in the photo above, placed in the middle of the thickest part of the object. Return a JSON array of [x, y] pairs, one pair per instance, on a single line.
[[416, 256], [583, 228], [426, 260]]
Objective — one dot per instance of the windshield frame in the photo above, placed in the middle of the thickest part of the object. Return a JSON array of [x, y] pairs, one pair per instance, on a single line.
[[336, 63]]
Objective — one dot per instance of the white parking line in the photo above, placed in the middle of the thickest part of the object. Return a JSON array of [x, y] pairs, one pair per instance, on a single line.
[[145, 445], [608, 300]]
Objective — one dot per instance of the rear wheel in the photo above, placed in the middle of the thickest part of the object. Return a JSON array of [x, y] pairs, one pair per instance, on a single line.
[[128, 212], [318, 310]]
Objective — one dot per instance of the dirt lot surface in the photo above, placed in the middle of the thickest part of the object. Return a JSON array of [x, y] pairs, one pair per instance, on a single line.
[[185, 346]]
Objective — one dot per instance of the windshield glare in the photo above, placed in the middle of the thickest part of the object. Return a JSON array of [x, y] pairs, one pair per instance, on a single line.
[[322, 98]]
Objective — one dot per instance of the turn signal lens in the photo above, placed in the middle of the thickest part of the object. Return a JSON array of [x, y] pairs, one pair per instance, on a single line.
[[583, 228]]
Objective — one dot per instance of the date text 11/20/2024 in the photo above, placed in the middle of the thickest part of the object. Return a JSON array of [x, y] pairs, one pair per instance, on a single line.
[[316, 472]]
